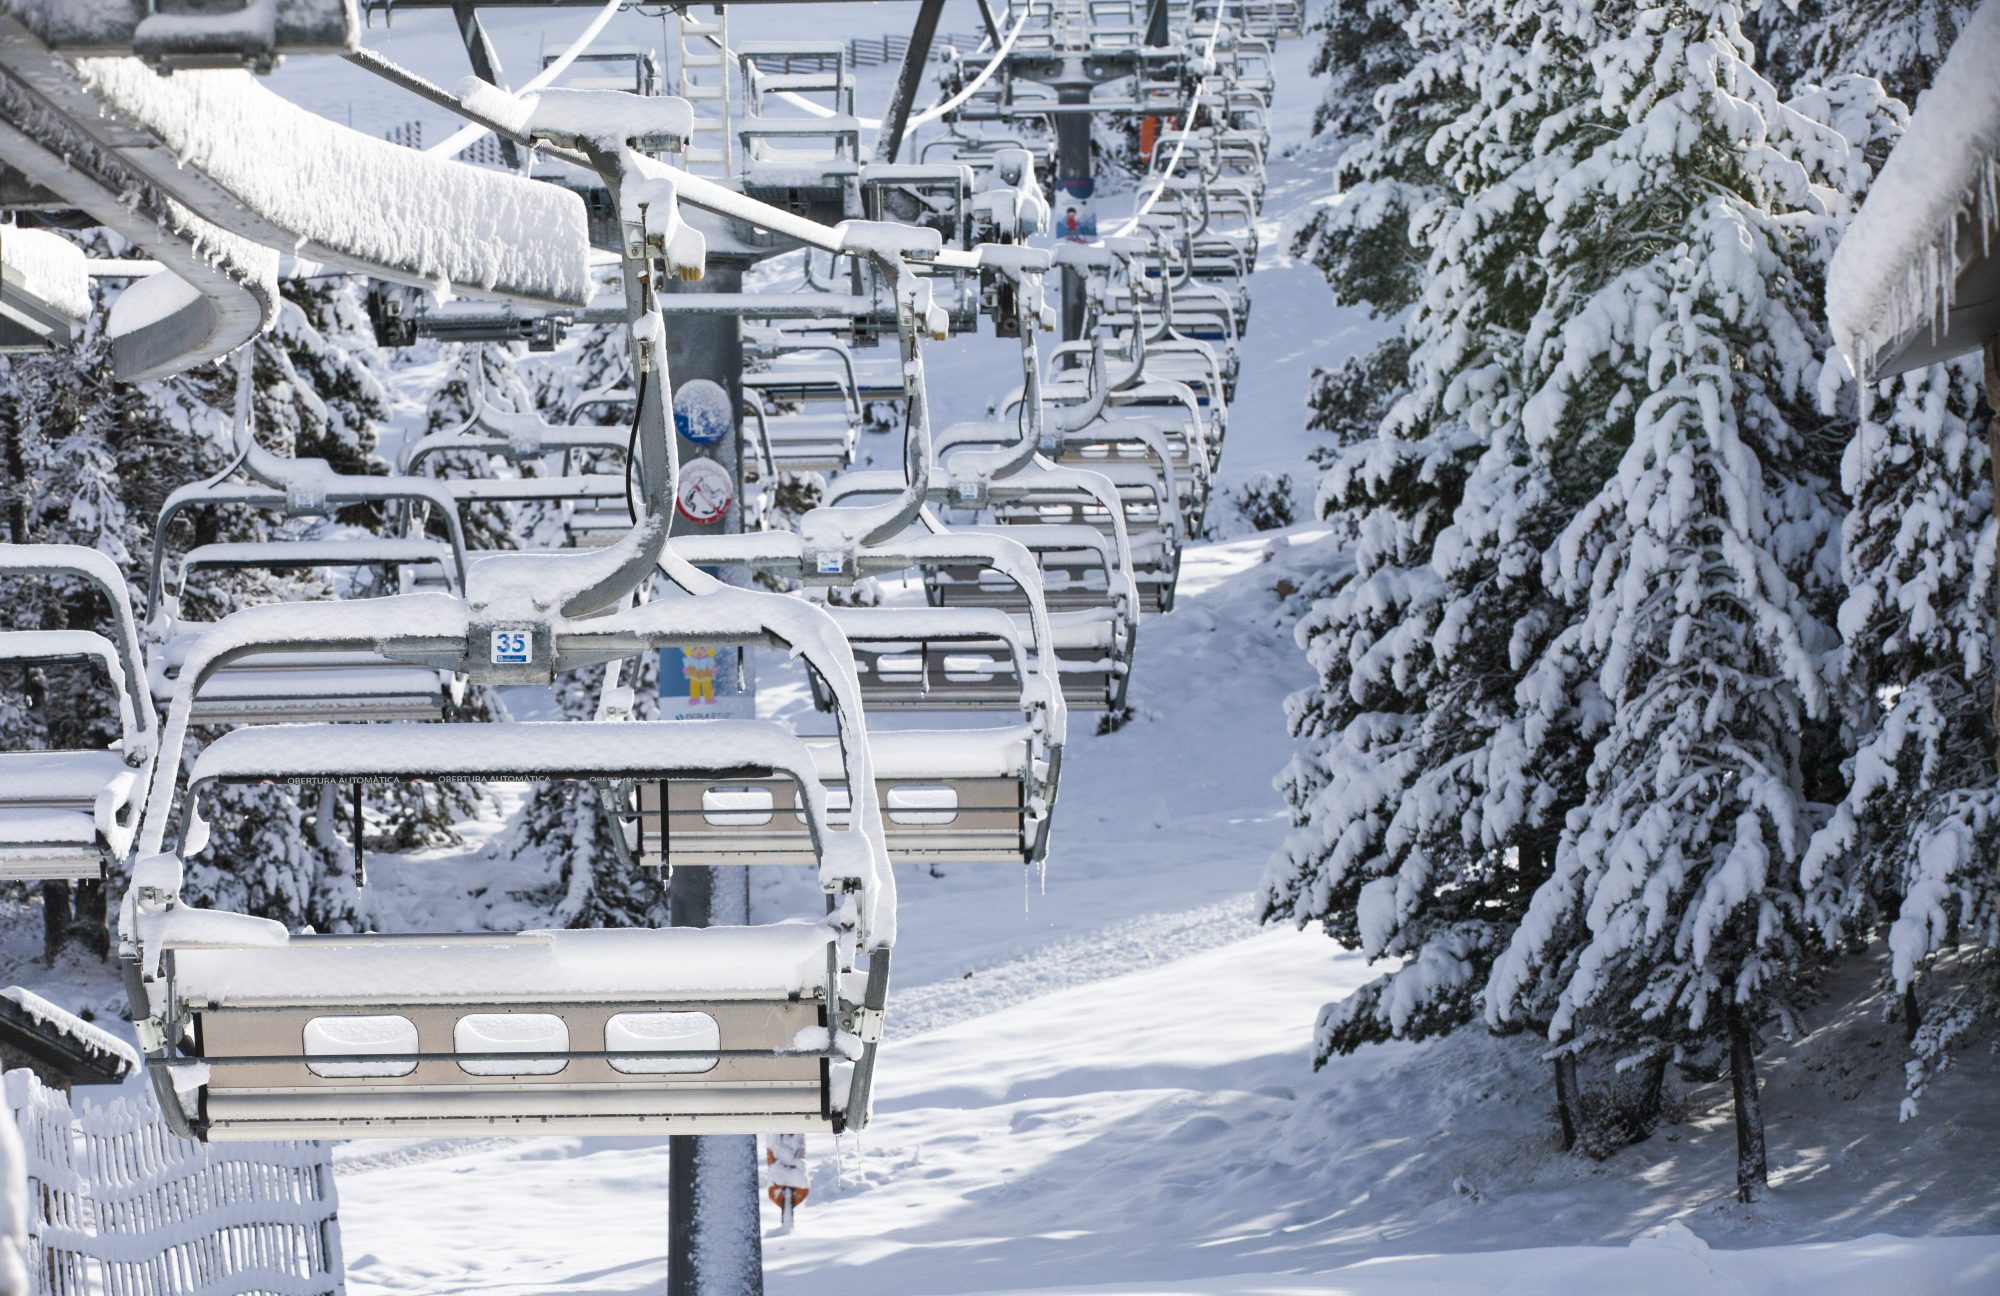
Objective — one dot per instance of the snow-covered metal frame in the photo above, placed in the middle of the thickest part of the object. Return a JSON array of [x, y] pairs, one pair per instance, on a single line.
[[69, 814], [596, 503], [44, 289]]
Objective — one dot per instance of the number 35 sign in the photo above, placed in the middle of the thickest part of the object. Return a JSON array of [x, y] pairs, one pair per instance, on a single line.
[[513, 648]]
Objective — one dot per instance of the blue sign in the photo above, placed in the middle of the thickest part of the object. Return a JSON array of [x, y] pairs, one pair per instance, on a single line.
[[702, 413]]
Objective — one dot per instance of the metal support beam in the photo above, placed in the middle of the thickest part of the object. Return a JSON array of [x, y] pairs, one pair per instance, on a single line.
[[716, 1239], [992, 26], [715, 1229], [1156, 24], [1073, 185], [897, 119], [485, 64]]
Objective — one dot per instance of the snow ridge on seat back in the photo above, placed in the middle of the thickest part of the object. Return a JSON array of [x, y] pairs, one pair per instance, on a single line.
[[265, 168]]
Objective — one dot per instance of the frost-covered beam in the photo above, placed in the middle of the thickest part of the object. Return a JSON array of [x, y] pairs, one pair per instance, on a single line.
[[228, 286], [1917, 277], [192, 33], [242, 159]]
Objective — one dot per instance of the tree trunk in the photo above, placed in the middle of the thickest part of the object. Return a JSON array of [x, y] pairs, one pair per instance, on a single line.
[[1753, 1173], [1652, 1095], [89, 923], [1569, 1101], [56, 913], [1913, 1012]]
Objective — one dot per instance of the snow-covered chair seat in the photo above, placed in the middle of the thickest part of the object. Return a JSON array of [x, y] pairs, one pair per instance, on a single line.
[[791, 382], [44, 289], [306, 683], [1142, 444], [66, 814], [1081, 566], [1149, 514], [1179, 395], [809, 442], [682, 1030], [268, 1035], [796, 374], [1199, 312], [1092, 605], [1190, 363], [924, 659], [947, 796], [937, 659]]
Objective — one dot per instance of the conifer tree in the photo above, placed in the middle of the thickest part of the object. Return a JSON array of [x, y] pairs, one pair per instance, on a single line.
[[1684, 261], [1421, 829], [1908, 851]]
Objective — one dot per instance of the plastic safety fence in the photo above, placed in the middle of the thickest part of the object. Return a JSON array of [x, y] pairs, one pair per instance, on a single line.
[[120, 1205]]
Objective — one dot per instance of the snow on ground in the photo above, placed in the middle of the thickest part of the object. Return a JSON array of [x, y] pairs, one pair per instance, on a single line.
[[1100, 1081]]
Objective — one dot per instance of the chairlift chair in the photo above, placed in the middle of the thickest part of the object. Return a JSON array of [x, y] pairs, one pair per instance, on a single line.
[[252, 1032], [335, 685], [1088, 581], [265, 1034], [69, 814], [948, 794]]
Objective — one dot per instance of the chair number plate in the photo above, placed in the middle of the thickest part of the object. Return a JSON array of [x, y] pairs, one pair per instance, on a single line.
[[513, 648]]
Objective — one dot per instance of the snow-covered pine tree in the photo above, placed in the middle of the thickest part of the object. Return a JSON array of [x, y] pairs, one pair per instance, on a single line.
[[1912, 843], [1910, 847], [1900, 43], [1421, 829], [1684, 262], [1363, 48], [565, 823], [1376, 120]]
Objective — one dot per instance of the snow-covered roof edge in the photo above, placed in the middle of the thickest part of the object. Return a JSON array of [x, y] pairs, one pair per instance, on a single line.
[[91, 1039], [1896, 270]]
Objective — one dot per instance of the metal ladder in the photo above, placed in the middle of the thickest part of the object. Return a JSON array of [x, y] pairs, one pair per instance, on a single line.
[[702, 73]]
